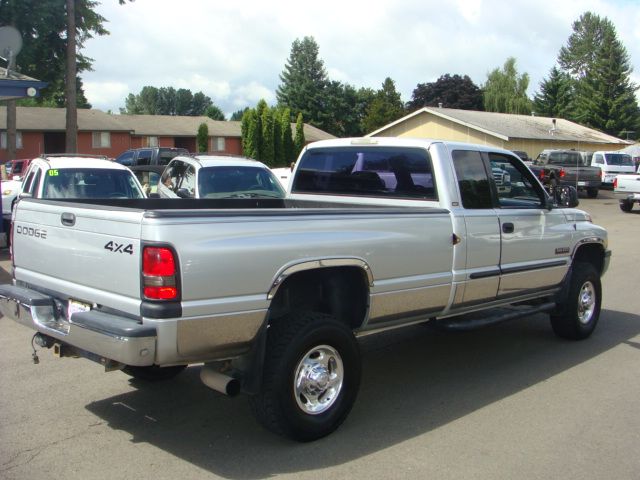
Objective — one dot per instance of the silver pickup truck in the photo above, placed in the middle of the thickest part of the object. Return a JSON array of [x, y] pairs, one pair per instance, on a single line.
[[270, 295]]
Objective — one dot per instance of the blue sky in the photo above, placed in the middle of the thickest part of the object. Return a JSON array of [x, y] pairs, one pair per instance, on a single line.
[[235, 51]]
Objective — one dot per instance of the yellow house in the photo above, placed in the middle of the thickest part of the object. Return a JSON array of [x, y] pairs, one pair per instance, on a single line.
[[527, 133]]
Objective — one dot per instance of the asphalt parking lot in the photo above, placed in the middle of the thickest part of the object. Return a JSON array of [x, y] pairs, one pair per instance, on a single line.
[[509, 401]]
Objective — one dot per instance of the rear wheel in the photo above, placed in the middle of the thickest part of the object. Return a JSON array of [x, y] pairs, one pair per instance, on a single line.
[[153, 373], [311, 376], [626, 205], [578, 317], [592, 192]]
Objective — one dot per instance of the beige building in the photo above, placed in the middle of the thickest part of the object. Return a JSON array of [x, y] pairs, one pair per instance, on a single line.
[[527, 133]]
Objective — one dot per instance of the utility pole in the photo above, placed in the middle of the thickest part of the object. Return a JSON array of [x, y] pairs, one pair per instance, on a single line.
[[72, 107]]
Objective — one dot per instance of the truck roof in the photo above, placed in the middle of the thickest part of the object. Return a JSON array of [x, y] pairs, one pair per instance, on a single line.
[[72, 161], [402, 141]]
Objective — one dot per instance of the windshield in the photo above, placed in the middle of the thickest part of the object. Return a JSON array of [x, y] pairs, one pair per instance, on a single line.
[[238, 182], [619, 159], [90, 183]]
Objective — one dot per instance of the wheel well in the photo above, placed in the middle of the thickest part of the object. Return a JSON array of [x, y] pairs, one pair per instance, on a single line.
[[341, 292], [592, 253]]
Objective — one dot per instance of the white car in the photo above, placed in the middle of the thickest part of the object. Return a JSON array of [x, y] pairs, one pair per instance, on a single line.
[[212, 176], [79, 176], [10, 191]]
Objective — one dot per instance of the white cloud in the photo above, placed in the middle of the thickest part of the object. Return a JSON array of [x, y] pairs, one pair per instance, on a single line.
[[235, 51]]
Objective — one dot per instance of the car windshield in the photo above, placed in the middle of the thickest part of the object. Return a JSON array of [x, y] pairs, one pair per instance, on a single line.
[[90, 183], [619, 159], [238, 182]]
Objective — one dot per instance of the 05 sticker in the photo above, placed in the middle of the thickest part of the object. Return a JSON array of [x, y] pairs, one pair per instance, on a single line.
[[119, 247]]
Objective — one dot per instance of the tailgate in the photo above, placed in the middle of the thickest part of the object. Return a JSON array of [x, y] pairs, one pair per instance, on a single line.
[[87, 253]]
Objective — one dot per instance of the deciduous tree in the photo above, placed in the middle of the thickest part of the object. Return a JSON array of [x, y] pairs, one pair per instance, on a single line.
[[450, 91], [506, 90]]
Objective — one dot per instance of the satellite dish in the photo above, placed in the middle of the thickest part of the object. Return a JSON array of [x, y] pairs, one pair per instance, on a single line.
[[10, 45]]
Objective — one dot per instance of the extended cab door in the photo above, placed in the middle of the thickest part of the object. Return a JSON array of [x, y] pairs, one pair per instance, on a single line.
[[535, 241], [514, 244]]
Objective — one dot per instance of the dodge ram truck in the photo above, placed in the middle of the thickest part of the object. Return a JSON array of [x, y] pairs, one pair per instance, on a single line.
[[269, 296]]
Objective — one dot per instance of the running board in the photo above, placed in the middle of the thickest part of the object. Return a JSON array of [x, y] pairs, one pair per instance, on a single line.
[[471, 321]]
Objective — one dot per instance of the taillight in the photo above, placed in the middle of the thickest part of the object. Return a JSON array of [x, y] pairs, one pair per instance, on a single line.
[[159, 274], [541, 175], [615, 183], [562, 173]]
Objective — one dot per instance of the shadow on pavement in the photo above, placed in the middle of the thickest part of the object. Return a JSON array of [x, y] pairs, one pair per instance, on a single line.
[[414, 381]]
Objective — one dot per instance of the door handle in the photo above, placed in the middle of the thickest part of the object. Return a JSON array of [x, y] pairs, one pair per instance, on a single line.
[[68, 219], [507, 227]]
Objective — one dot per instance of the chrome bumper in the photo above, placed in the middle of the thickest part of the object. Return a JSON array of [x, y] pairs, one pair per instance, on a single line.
[[105, 335]]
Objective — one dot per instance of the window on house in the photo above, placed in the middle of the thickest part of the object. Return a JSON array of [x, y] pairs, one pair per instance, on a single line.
[[152, 141], [218, 144], [101, 140], [4, 140]]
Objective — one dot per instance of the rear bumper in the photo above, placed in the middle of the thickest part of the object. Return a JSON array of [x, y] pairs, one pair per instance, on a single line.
[[105, 335]]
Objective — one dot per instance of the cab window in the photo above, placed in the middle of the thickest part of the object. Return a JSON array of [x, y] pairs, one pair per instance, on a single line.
[[473, 180], [514, 183]]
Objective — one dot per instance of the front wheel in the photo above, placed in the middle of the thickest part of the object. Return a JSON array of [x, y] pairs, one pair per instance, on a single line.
[[626, 205], [578, 317], [311, 376]]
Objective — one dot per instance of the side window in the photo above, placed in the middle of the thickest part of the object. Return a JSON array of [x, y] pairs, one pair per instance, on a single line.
[[144, 157], [125, 159], [34, 188], [514, 183], [598, 160], [28, 180], [189, 180], [472, 179]]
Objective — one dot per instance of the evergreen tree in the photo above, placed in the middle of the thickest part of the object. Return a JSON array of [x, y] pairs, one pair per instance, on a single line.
[[385, 108], [556, 96], [43, 26], [303, 82], [237, 115], [604, 94], [214, 113], [268, 145], [287, 137], [450, 91], [184, 102], [506, 91], [202, 138], [250, 134], [299, 140], [278, 158]]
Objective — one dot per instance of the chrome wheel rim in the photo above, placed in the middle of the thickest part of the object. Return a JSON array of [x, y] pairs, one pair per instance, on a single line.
[[586, 303], [318, 379]]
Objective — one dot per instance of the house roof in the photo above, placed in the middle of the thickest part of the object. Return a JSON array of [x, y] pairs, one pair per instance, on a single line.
[[509, 126], [54, 119]]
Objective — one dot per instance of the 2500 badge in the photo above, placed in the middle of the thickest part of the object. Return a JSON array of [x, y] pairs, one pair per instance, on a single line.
[[119, 247], [31, 232]]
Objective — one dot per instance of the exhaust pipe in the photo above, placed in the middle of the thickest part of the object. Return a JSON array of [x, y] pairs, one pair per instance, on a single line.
[[219, 381]]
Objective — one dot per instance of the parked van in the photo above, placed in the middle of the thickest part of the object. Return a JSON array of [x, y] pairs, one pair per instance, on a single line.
[[611, 164]]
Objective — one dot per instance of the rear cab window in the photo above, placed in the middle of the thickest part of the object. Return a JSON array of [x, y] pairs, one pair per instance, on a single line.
[[394, 172]]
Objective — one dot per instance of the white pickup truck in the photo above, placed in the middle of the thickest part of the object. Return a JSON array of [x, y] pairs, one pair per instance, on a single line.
[[272, 294], [626, 188]]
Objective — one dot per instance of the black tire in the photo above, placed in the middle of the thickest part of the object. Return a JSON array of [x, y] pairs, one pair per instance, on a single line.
[[284, 408], [626, 206], [592, 192], [578, 317], [153, 373]]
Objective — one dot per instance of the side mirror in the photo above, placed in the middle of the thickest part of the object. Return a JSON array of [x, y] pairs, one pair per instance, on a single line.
[[25, 195], [565, 196], [183, 193]]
